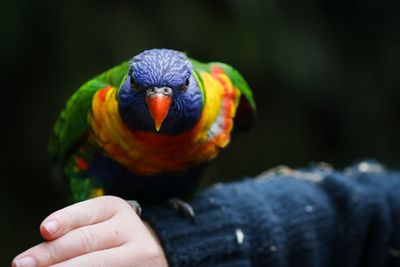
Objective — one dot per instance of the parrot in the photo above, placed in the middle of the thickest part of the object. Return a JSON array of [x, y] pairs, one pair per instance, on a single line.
[[147, 128]]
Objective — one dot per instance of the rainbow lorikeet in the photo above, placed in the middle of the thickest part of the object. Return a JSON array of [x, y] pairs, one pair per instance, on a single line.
[[145, 129]]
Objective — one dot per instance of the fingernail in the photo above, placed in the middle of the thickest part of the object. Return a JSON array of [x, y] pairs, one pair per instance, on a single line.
[[51, 227], [25, 262]]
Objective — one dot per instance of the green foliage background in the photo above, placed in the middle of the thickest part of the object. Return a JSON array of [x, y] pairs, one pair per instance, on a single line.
[[325, 76]]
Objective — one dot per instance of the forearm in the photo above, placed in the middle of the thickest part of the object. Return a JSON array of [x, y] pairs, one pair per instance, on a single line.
[[341, 220]]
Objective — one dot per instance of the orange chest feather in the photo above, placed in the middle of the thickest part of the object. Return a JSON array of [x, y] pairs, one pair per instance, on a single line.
[[148, 153]]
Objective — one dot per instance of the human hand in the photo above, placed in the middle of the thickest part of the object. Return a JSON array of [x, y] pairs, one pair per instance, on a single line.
[[103, 231]]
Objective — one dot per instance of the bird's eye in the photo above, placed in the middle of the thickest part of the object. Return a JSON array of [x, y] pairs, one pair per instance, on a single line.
[[185, 85], [135, 86]]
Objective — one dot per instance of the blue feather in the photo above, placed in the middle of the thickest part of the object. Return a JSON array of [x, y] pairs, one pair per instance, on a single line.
[[158, 68], [161, 67]]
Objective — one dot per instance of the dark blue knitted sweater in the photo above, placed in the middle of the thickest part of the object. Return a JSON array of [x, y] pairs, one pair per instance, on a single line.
[[315, 217]]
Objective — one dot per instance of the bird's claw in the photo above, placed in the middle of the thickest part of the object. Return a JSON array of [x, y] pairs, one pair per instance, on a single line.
[[136, 206], [182, 207]]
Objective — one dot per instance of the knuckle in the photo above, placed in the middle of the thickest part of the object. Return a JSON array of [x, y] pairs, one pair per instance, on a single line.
[[87, 240], [87, 213], [114, 199], [67, 216], [50, 254], [115, 202]]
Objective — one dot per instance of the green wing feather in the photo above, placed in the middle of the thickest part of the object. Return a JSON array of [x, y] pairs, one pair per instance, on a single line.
[[238, 80], [72, 125], [247, 107]]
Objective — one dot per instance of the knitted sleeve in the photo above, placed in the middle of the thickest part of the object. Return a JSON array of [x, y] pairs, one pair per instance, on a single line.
[[314, 217]]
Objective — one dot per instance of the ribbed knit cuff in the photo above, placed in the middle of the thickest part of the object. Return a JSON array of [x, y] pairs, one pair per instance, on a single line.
[[217, 238]]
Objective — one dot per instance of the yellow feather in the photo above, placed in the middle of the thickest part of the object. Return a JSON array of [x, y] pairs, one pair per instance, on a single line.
[[150, 153]]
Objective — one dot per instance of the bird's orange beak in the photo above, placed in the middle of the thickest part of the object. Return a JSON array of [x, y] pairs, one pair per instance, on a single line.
[[158, 105]]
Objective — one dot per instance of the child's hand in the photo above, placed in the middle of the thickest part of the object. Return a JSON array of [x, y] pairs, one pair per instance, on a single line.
[[104, 231]]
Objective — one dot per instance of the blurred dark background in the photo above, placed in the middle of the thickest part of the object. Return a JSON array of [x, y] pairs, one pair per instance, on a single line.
[[325, 75]]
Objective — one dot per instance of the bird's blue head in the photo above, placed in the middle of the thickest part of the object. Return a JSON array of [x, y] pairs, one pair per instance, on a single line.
[[160, 93]]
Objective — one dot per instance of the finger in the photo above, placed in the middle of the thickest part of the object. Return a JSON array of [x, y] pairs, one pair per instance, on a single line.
[[80, 214], [123, 256], [77, 242]]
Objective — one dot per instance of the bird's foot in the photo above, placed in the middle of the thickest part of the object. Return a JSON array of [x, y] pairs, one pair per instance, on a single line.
[[136, 206], [182, 207]]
